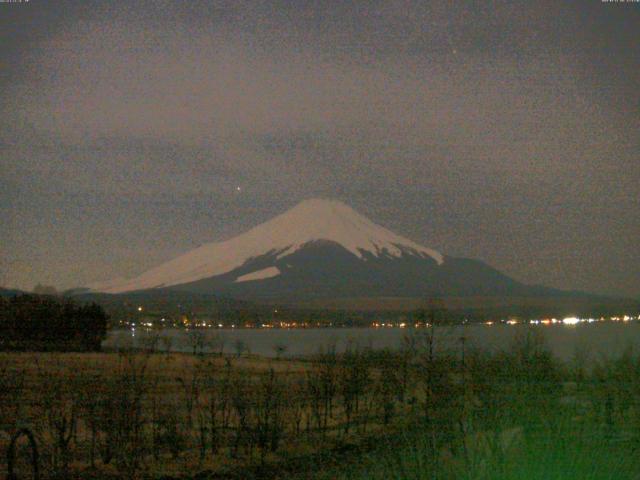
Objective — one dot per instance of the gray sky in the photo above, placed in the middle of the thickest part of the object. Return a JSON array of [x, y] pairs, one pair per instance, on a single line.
[[503, 131]]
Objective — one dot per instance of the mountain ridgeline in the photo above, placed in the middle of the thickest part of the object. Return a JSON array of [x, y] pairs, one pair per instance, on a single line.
[[324, 250]]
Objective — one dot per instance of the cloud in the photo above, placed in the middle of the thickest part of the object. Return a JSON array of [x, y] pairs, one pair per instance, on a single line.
[[196, 89]]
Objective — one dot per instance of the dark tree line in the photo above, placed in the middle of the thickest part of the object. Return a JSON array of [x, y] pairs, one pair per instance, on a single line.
[[40, 322]]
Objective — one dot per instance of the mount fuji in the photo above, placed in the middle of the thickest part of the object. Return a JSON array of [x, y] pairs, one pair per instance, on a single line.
[[322, 249]]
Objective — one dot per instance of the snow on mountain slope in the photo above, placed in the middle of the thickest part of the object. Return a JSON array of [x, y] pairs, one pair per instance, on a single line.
[[268, 272], [309, 221]]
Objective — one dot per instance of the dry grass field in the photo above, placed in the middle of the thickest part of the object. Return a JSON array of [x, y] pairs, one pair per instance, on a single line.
[[129, 415]]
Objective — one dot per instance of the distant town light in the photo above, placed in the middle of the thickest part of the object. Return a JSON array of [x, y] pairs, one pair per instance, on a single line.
[[570, 320], [139, 309]]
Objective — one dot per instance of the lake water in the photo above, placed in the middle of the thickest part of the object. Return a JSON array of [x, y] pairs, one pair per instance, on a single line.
[[593, 340]]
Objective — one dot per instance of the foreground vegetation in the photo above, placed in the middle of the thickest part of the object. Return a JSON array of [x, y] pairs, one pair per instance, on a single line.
[[132, 414], [361, 414], [519, 422]]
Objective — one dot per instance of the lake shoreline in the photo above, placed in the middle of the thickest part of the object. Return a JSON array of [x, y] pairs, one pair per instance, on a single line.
[[566, 342]]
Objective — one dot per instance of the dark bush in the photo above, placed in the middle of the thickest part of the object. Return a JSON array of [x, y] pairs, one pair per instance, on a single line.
[[40, 322]]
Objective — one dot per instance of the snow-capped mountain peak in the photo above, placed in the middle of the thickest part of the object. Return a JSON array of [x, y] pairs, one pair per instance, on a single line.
[[310, 221], [320, 219]]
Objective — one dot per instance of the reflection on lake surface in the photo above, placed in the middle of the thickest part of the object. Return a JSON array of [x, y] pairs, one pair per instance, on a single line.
[[593, 340]]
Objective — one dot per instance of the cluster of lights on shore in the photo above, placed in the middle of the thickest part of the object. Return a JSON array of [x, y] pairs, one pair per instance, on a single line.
[[378, 324], [564, 321], [514, 321], [570, 320], [186, 323]]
